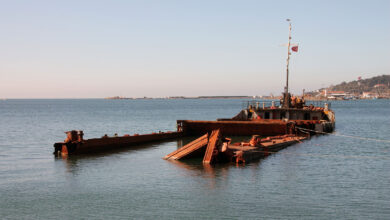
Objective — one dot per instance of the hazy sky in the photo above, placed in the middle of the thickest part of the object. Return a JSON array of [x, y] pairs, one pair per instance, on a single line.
[[79, 49]]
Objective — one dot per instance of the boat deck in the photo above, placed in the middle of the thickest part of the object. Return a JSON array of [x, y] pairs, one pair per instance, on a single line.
[[245, 154]]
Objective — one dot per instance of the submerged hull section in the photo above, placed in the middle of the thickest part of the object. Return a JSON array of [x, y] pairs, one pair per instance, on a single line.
[[109, 143], [219, 149]]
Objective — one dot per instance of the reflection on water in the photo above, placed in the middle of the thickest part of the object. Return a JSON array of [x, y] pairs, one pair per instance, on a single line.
[[75, 163], [212, 173], [72, 161]]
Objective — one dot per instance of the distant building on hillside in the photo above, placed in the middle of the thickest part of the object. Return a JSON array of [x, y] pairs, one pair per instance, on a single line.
[[379, 85], [335, 94]]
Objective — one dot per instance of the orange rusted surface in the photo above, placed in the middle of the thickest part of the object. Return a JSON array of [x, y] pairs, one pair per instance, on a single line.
[[188, 149], [233, 127], [239, 155], [244, 153], [219, 148], [64, 150], [264, 127], [211, 150], [75, 144]]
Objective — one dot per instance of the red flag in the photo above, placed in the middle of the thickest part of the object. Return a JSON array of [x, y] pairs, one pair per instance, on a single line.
[[294, 48]]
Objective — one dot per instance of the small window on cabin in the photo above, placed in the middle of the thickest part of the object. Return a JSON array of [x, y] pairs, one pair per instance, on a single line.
[[306, 116], [266, 115]]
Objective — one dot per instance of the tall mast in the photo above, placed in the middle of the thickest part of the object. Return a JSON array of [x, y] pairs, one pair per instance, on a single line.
[[286, 95], [288, 54]]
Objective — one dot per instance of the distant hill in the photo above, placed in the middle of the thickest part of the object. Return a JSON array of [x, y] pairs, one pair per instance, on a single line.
[[364, 85]]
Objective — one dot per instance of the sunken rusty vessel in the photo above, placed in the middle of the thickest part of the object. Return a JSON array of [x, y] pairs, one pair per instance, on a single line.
[[274, 126]]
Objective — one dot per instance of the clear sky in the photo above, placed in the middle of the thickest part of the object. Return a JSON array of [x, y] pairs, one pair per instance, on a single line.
[[81, 49]]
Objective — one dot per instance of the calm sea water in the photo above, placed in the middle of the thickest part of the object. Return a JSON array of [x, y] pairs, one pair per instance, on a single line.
[[327, 177]]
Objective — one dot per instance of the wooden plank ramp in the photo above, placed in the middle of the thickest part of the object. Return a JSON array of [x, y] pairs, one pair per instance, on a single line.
[[187, 149], [211, 147]]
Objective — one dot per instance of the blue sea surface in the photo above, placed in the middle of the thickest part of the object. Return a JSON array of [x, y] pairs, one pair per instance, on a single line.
[[326, 177]]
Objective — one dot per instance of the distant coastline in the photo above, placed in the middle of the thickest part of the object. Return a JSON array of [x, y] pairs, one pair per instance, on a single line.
[[308, 97], [199, 97], [196, 97]]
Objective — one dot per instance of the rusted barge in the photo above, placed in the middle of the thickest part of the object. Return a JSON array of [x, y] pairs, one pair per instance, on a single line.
[[75, 143], [276, 125]]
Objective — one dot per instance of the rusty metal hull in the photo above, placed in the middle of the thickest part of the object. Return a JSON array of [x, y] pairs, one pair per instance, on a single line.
[[108, 143], [244, 128], [233, 127]]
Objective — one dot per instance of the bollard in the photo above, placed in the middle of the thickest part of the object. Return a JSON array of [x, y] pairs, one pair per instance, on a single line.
[[80, 135]]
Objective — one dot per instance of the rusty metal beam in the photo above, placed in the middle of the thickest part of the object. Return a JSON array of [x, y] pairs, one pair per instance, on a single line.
[[211, 147], [188, 149]]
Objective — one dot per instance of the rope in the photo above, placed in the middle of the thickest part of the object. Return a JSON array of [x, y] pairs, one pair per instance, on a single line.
[[330, 155], [349, 136]]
